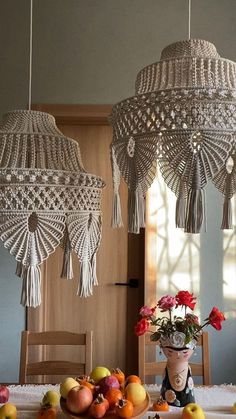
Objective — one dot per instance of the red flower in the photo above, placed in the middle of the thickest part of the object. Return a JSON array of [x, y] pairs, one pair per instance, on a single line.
[[216, 317], [184, 298], [141, 327]]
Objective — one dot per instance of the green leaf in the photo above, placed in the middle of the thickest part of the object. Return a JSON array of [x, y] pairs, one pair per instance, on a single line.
[[155, 336]]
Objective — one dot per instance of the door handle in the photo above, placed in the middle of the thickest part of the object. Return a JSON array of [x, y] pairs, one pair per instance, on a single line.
[[132, 283]]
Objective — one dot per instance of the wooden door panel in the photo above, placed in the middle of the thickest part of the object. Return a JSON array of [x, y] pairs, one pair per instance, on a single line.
[[105, 311]]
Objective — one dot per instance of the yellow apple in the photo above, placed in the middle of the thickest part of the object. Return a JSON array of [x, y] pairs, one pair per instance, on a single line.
[[66, 386], [98, 373], [234, 408], [8, 411], [51, 398], [193, 411], [135, 393]]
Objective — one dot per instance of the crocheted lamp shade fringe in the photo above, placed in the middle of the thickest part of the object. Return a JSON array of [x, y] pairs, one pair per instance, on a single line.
[[195, 211], [86, 279], [94, 270], [19, 269], [67, 267], [180, 211], [116, 220], [227, 215], [136, 211], [31, 286]]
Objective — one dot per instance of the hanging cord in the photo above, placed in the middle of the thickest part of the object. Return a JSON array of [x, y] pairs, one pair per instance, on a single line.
[[189, 19], [30, 53]]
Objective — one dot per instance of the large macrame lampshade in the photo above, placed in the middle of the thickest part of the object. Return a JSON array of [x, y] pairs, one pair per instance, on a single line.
[[46, 199], [183, 116]]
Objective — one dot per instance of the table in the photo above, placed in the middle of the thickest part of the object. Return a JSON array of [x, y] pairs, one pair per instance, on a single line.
[[27, 399]]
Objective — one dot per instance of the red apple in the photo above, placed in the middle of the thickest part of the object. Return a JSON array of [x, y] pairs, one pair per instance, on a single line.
[[79, 399], [108, 382], [4, 394]]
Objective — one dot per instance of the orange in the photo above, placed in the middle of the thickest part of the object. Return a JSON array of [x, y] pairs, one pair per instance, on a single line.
[[113, 395]]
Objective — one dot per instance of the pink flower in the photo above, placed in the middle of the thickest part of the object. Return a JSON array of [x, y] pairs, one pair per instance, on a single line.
[[184, 298], [216, 317], [192, 319], [141, 327], [166, 303], [146, 311]]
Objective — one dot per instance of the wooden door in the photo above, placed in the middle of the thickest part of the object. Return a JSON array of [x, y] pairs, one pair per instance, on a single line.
[[105, 311]]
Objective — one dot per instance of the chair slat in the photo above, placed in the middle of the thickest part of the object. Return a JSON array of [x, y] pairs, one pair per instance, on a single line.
[[55, 367]]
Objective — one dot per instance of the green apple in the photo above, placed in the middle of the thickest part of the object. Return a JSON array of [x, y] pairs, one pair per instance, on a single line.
[[234, 408], [193, 411], [135, 393], [8, 411], [98, 373], [51, 398], [66, 386]]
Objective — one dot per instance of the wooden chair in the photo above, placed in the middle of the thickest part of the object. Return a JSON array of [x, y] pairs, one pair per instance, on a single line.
[[157, 367], [55, 367]]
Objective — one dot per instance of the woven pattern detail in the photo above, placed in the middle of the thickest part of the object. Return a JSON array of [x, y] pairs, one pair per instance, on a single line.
[[186, 73], [32, 140], [84, 230], [225, 180], [196, 165], [135, 167], [193, 63], [172, 179], [184, 115], [190, 48], [174, 110], [42, 185], [31, 247]]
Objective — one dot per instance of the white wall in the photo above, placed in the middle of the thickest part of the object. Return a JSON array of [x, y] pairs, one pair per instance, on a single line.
[[89, 51]]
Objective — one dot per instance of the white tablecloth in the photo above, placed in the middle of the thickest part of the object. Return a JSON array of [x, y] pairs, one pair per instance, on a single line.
[[216, 401]]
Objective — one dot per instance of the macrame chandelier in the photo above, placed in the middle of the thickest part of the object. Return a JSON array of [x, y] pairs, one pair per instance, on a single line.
[[183, 115], [46, 199]]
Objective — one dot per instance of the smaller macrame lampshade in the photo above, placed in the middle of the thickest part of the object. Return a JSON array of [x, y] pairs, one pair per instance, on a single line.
[[46, 199], [184, 117]]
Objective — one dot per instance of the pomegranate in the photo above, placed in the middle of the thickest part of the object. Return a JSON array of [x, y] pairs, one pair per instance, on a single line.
[[4, 394], [108, 382]]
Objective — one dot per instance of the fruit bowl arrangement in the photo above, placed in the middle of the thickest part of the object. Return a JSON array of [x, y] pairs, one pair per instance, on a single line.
[[104, 393]]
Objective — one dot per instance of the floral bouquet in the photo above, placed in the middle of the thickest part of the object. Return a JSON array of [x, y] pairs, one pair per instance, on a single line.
[[172, 330]]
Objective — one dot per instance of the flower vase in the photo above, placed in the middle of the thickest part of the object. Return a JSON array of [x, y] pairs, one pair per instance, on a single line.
[[177, 385]]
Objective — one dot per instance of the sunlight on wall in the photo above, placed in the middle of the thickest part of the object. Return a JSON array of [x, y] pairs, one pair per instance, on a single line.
[[173, 255], [229, 265]]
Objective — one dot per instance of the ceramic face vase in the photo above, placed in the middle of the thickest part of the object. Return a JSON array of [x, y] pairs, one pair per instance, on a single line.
[[177, 384]]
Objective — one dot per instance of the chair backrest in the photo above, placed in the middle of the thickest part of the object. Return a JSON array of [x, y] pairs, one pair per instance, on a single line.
[[157, 368], [55, 367]]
